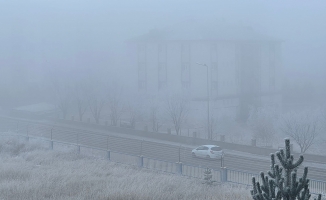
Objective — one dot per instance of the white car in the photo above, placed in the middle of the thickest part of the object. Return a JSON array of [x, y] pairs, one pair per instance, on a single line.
[[208, 152]]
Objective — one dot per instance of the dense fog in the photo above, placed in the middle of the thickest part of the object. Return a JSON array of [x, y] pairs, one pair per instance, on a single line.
[[40, 36], [81, 57], [178, 95]]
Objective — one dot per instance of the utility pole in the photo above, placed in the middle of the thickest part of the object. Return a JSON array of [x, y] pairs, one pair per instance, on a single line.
[[209, 135]]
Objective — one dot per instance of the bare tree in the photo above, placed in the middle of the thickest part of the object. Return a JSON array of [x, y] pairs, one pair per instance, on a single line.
[[262, 122], [302, 127], [154, 112], [177, 109], [134, 113], [96, 100], [115, 104], [62, 92], [80, 97], [230, 128]]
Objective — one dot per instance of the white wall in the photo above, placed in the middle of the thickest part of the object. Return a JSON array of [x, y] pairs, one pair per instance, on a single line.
[[228, 75]]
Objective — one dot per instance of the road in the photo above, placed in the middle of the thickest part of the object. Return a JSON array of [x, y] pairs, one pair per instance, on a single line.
[[134, 145]]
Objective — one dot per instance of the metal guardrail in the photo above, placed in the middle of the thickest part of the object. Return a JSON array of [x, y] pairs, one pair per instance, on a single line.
[[150, 151]]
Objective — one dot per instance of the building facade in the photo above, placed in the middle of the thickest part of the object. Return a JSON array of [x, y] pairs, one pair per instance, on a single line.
[[241, 67]]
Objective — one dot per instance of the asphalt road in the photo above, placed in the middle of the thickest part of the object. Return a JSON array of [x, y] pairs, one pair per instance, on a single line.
[[147, 147]]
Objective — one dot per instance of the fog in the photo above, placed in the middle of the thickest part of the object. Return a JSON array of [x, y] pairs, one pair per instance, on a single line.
[[60, 40], [153, 79]]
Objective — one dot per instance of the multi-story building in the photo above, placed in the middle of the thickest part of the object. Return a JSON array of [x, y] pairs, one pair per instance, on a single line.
[[244, 67]]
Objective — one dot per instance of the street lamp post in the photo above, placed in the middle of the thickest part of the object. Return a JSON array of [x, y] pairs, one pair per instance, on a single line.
[[208, 126]]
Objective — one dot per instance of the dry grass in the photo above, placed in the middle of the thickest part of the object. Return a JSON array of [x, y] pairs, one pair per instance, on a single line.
[[30, 171]]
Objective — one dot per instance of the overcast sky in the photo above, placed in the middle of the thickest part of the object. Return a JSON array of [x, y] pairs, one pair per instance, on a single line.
[[58, 27]]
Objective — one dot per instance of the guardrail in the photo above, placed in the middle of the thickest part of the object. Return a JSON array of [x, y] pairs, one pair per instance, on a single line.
[[182, 139], [223, 175], [140, 161], [136, 152]]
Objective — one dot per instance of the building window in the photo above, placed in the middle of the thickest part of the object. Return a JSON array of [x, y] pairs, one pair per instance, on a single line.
[[185, 48], [185, 72], [161, 53], [141, 47], [142, 66], [185, 66], [160, 48], [142, 75], [185, 52], [272, 82], [214, 85], [214, 66], [162, 67], [185, 84], [214, 52], [162, 72], [214, 48], [142, 53], [214, 71], [141, 85], [162, 85]]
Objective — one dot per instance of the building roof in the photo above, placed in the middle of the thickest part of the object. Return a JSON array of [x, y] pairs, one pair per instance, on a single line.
[[195, 30]]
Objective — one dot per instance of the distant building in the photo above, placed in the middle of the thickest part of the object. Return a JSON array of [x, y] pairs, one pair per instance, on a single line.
[[244, 67]]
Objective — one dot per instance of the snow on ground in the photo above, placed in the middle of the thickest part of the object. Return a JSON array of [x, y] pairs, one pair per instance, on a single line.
[[30, 171]]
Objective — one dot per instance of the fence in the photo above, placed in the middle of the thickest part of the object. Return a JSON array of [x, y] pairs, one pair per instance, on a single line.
[[140, 161], [139, 153]]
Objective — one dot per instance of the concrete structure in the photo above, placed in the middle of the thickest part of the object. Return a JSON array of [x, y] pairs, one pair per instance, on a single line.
[[244, 67]]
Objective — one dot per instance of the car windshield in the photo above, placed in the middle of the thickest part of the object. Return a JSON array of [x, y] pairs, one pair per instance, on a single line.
[[216, 148]]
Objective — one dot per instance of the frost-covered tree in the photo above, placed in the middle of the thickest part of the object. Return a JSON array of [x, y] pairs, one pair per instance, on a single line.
[[63, 97], [134, 112], [208, 177], [115, 103], [303, 127], [177, 109], [96, 99], [154, 117], [262, 121], [80, 97], [281, 182]]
